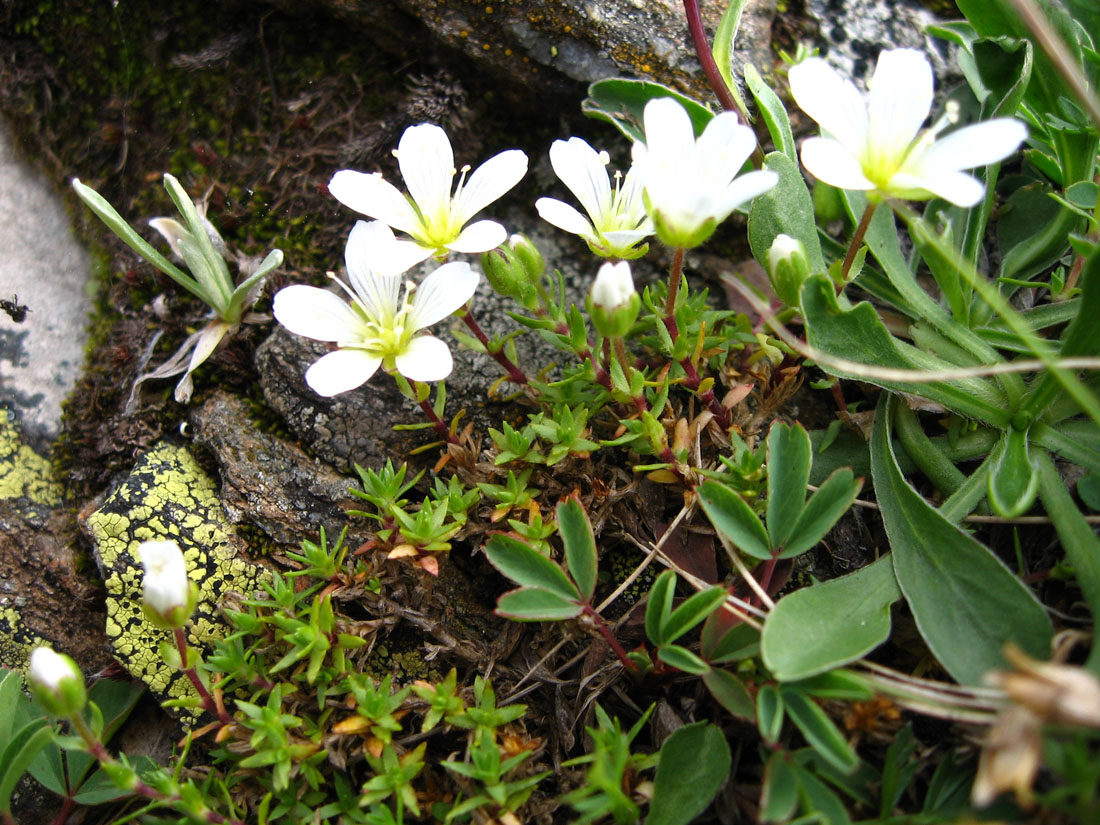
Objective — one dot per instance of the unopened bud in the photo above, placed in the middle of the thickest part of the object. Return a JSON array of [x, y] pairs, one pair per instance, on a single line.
[[514, 268], [56, 682], [788, 267], [169, 595], [613, 303]]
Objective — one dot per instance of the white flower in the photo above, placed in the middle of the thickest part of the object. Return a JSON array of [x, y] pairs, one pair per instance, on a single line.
[[617, 219], [56, 682], [876, 144], [613, 285], [692, 185], [434, 217], [166, 589], [379, 326]]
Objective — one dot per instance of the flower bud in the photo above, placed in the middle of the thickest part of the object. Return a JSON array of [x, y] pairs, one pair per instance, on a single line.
[[514, 268], [169, 596], [56, 682], [788, 267], [613, 303]]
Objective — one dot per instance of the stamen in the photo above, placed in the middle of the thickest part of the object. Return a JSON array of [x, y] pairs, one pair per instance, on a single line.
[[462, 180]]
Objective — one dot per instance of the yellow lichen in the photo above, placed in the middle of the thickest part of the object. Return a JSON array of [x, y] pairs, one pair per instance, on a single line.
[[23, 472]]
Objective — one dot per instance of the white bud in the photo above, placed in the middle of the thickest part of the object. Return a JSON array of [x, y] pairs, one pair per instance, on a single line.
[[167, 590], [56, 681], [613, 285], [784, 246]]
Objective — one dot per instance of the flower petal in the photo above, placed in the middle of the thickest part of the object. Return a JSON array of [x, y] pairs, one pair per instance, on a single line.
[[441, 293], [742, 190], [624, 238], [488, 183], [835, 103], [428, 167], [479, 237], [668, 131], [564, 216], [341, 370], [724, 147], [425, 359], [959, 188], [375, 198], [315, 313], [971, 146], [899, 102], [375, 288], [829, 161], [581, 169]]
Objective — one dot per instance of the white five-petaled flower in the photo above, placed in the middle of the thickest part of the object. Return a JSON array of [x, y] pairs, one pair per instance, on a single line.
[[617, 220], [166, 589], [433, 216], [379, 327], [692, 185], [876, 143]]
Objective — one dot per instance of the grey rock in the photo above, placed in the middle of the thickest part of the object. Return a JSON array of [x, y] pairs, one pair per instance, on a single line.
[[545, 44], [42, 263], [268, 481]]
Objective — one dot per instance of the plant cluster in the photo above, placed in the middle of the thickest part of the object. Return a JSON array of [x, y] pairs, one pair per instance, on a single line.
[[968, 317]]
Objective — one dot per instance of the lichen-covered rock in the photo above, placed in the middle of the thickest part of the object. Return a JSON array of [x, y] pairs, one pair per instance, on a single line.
[[167, 496], [544, 44]]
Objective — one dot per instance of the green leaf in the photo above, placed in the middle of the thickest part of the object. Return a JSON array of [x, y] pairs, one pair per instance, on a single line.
[[17, 755], [1013, 480], [100, 788], [11, 698], [846, 685], [822, 511], [691, 611], [693, 766], [731, 693], [533, 604], [819, 730], [723, 643], [658, 605], [819, 800], [580, 545], [769, 713], [965, 601], [621, 102], [858, 335], [682, 659], [815, 629], [526, 566], [788, 473], [787, 208], [1088, 488], [734, 519], [723, 46], [773, 112], [779, 794]]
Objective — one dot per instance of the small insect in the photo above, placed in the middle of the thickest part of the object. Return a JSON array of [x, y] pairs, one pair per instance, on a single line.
[[15, 310]]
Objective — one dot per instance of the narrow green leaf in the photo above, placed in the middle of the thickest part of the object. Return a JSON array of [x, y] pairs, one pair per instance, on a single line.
[[966, 603], [779, 794], [734, 519], [819, 730], [821, 801], [841, 683], [682, 659], [723, 642], [219, 279], [898, 770], [526, 566], [11, 697], [822, 511], [691, 611], [723, 45], [731, 693], [17, 756], [789, 460], [621, 102], [785, 209], [1013, 480], [659, 605], [693, 765], [815, 629], [858, 335], [100, 788], [533, 604], [773, 112], [769, 713], [580, 545]]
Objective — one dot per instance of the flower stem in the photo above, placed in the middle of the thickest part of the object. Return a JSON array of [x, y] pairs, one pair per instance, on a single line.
[[674, 274], [706, 59], [857, 242], [208, 703], [515, 374], [438, 424]]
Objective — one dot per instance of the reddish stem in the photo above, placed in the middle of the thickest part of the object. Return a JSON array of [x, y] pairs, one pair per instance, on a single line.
[[514, 373], [438, 424], [706, 57], [208, 703], [857, 242], [609, 637]]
